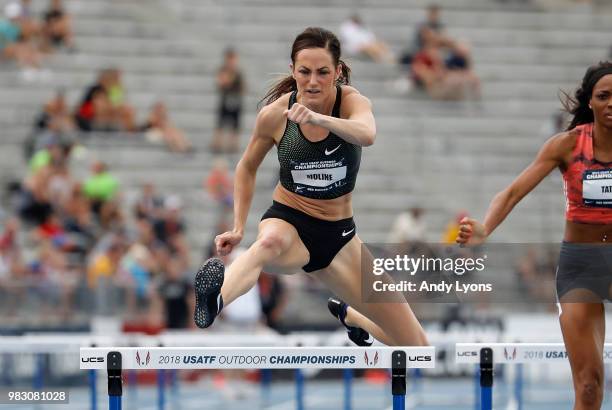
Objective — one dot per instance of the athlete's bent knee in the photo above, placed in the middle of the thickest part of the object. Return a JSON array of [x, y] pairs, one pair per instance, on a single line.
[[271, 242]]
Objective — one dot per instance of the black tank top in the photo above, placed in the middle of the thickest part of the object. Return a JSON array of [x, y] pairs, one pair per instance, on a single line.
[[326, 169]]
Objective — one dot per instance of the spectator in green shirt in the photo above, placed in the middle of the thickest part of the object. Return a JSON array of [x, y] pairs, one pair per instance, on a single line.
[[101, 186], [102, 189]]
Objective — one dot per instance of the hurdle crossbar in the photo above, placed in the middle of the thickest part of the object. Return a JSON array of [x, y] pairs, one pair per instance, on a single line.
[[256, 357], [519, 352]]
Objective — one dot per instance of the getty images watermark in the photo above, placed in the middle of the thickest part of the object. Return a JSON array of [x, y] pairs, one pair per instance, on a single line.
[[429, 272]]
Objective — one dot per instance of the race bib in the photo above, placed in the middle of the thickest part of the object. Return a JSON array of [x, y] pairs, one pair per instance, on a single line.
[[319, 177], [597, 188]]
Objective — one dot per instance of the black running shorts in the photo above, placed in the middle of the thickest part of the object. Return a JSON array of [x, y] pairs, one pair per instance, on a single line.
[[584, 266], [323, 239]]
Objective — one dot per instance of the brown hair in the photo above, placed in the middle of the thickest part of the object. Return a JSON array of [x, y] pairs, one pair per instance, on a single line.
[[312, 37]]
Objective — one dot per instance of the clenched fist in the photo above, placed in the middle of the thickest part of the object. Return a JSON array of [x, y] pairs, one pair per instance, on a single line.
[[301, 115], [226, 242]]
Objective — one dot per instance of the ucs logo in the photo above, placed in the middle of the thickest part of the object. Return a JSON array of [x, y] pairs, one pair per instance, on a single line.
[[467, 354], [141, 361], [369, 362], [419, 358], [92, 359]]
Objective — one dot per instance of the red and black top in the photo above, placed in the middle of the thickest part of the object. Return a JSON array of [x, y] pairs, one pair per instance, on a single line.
[[587, 183]]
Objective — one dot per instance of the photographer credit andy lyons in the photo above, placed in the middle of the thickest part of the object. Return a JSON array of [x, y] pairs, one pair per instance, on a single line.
[[411, 266]]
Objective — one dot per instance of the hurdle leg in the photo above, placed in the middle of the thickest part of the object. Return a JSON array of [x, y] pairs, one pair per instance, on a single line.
[[161, 389], [7, 369], [174, 388], [347, 375], [398, 379], [477, 387], [115, 390], [93, 390], [39, 375], [266, 381], [518, 386], [299, 389], [486, 378]]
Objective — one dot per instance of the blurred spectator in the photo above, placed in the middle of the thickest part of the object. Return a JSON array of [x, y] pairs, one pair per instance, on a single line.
[[53, 124], [145, 235], [176, 295], [11, 263], [12, 268], [170, 229], [42, 157], [102, 269], [50, 230], [430, 72], [120, 109], [60, 182], [358, 39], [220, 186], [57, 26], [432, 29], [102, 189], [79, 224], [103, 107], [22, 12], [149, 205], [231, 88], [459, 63], [34, 206], [53, 280], [14, 46], [94, 111], [409, 226], [536, 274], [101, 186], [439, 64], [159, 129], [8, 238], [137, 269]]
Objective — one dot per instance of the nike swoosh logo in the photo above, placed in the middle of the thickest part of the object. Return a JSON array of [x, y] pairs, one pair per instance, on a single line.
[[218, 302], [369, 340], [347, 233], [332, 151]]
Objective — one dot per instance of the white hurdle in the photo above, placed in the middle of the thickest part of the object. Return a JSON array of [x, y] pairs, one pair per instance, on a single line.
[[487, 355], [114, 360]]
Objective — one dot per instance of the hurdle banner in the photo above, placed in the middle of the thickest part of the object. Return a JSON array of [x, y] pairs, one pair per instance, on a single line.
[[487, 355], [519, 352], [143, 358]]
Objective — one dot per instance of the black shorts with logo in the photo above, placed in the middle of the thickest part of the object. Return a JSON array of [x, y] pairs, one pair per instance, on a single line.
[[323, 239], [584, 266]]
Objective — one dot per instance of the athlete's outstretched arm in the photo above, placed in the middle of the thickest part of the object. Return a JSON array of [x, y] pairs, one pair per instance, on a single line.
[[358, 128], [260, 143], [551, 156]]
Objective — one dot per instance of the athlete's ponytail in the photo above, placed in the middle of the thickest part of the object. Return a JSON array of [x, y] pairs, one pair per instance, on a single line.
[[312, 37], [578, 105]]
